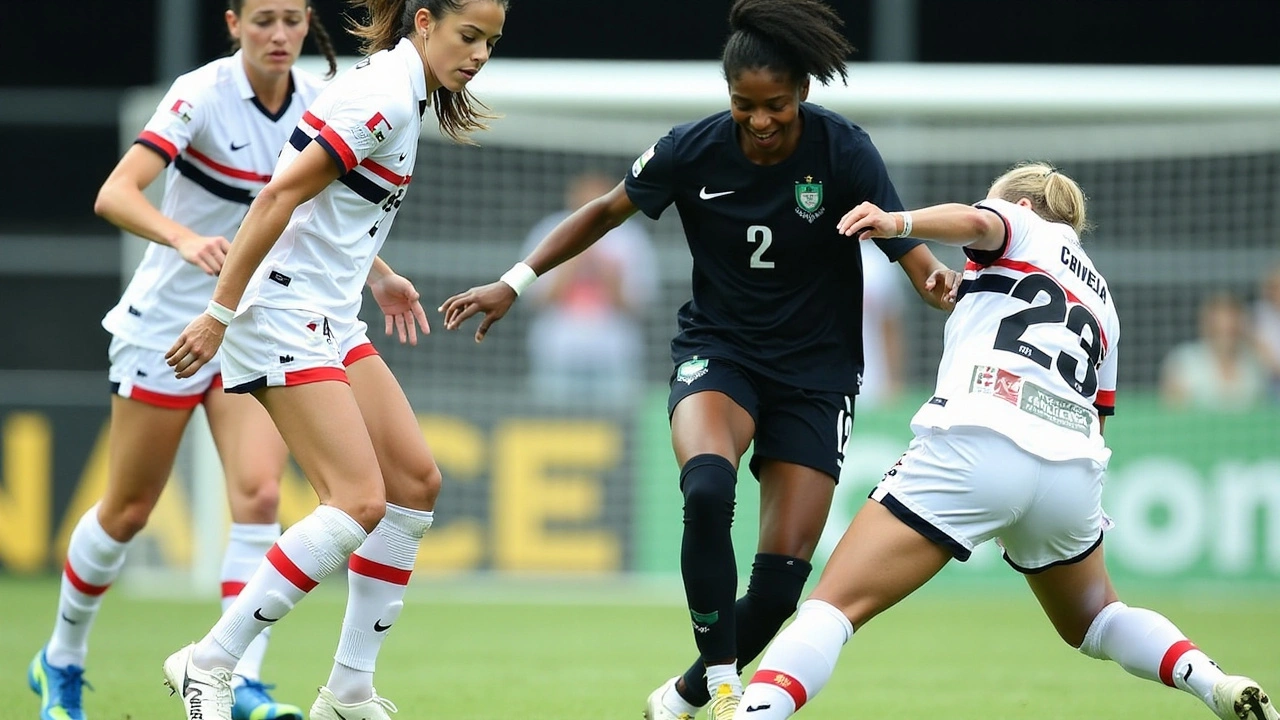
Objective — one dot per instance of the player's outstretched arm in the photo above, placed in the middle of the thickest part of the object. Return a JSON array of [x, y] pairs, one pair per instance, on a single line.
[[951, 224], [574, 234]]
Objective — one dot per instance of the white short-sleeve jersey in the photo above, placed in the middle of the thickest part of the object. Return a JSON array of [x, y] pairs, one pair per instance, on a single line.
[[1031, 346], [368, 120], [223, 145]]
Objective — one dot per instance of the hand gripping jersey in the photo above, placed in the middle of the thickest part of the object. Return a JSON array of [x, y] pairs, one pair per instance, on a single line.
[[368, 121], [775, 288], [1031, 346], [223, 145]]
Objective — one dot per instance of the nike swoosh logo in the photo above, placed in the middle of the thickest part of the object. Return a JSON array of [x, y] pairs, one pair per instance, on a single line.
[[68, 620], [753, 708], [257, 615], [403, 156], [235, 147], [379, 627], [708, 196]]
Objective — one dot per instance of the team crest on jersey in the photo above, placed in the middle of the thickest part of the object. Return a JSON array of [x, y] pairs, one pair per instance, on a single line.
[[641, 161], [182, 109], [809, 199], [691, 370], [378, 127]]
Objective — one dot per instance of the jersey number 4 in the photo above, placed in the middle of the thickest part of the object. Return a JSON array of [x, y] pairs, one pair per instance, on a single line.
[[1055, 310]]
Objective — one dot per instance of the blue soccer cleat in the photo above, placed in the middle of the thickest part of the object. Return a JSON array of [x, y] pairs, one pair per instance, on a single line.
[[59, 689], [253, 702]]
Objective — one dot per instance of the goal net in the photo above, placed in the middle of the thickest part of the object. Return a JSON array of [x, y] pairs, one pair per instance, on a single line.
[[550, 472]]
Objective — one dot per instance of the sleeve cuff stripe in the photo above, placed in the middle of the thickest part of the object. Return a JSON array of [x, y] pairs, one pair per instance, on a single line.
[[334, 143], [157, 142]]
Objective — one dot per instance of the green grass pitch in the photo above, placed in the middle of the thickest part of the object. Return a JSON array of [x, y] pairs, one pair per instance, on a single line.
[[560, 651]]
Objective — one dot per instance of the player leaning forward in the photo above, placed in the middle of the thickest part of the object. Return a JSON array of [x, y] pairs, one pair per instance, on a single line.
[[295, 274], [1009, 447], [219, 129]]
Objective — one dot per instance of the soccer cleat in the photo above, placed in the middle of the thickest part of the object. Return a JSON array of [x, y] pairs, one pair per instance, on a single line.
[[327, 707], [654, 709], [59, 688], [206, 694], [254, 702], [1239, 698], [724, 704]]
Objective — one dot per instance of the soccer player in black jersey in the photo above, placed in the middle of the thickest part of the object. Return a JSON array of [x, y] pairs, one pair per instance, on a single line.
[[769, 347]]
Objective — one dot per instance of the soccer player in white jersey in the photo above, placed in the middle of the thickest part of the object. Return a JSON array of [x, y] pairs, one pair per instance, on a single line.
[[286, 303], [1010, 447], [219, 128]]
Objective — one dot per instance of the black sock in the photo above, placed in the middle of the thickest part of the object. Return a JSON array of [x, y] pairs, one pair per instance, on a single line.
[[772, 594], [706, 553]]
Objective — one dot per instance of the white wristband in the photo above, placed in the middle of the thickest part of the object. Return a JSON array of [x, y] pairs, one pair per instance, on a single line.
[[519, 277], [906, 224], [220, 313]]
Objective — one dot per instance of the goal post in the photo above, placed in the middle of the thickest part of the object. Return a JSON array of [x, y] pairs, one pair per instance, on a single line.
[[1182, 168]]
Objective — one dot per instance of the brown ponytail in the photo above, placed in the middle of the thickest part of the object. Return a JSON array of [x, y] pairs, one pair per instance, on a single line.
[[324, 43]]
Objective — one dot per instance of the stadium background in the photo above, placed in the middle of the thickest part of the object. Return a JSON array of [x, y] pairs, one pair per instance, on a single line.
[[533, 492]]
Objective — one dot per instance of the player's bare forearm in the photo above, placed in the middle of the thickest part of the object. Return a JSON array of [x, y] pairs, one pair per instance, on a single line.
[[121, 201], [957, 224], [920, 265], [379, 270], [581, 230], [261, 228]]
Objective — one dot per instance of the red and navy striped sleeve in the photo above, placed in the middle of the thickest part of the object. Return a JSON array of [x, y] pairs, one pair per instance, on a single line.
[[177, 119], [353, 131]]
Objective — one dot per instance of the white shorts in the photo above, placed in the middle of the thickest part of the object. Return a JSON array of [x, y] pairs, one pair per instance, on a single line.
[[273, 347], [963, 486], [142, 374]]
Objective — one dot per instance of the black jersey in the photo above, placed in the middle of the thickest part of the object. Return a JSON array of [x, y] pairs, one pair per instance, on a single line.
[[775, 287]]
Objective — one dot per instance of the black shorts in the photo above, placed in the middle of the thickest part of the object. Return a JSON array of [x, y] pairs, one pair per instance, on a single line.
[[803, 427]]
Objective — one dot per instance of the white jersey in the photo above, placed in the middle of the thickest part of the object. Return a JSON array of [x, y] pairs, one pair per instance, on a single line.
[[223, 145], [368, 120], [1031, 346]]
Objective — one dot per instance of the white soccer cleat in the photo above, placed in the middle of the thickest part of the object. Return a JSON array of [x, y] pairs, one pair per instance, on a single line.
[[1239, 698], [206, 694], [655, 710], [724, 705], [327, 707]]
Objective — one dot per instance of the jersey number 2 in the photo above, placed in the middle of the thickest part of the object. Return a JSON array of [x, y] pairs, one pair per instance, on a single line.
[[763, 235], [1077, 318]]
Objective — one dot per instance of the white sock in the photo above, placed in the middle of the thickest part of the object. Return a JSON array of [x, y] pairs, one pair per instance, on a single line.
[[798, 663], [1148, 645], [246, 547], [726, 674], [304, 555], [93, 562], [377, 576]]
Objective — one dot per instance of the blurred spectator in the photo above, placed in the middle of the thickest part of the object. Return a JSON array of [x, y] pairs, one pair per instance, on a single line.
[[586, 345], [1266, 327], [881, 329], [1221, 370]]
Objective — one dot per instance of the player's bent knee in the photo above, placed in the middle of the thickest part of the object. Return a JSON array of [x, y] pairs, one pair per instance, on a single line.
[[707, 482], [257, 503], [127, 520], [415, 488]]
